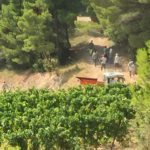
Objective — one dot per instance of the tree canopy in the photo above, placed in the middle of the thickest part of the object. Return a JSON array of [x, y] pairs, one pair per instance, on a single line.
[[36, 32], [124, 21]]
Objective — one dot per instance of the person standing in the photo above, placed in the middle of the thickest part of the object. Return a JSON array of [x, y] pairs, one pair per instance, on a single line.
[[95, 57], [106, 52], [91, 44], [110, 55], [103, 61], [106, 55], [91, 47], [5, 87], [131, 68], [105, 49], [116, 61]]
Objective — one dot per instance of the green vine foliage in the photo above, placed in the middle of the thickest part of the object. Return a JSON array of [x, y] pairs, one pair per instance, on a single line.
[[80, 117], [141, 98]]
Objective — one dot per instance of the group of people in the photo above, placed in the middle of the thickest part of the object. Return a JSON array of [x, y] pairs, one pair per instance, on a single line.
[[107, 58], [131, 68]]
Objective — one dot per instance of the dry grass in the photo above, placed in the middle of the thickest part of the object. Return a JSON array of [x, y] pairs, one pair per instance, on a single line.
[[27, 79]]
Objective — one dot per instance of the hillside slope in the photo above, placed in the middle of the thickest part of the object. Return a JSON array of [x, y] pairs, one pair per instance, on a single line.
[[80, 65]]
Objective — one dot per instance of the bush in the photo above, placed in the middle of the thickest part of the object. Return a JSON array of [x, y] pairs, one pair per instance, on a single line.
[[44, 65]]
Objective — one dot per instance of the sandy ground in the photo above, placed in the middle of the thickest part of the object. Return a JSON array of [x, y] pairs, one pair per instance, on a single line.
[[82, 67]]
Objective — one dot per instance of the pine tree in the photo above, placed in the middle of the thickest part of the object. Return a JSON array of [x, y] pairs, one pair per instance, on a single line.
[[3, 2], [26, 34], [125, 21], [9, 45], [64, 13], [35, 32]]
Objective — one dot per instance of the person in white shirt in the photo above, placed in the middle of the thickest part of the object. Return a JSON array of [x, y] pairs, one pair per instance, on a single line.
[[131, 68], [116, 60], [95, 57], [110, 55]]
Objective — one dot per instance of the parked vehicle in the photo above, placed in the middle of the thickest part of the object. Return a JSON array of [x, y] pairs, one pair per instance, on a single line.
[[112, 77], [108, 78]]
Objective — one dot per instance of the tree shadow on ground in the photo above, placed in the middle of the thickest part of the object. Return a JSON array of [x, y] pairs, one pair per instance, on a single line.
[[96, 33], [69, 73], [81, 53]]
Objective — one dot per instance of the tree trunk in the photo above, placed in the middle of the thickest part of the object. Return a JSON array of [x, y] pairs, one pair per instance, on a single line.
[[113, 142], [62, 39], [96, 146], [34, 144], [23, 144], [115, 136], [67, 35], [84, 146]]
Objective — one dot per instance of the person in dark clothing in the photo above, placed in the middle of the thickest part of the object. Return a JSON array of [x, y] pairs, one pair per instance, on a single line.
[[106, 52], [106, 56], [105, 49], [131, 68], [91, 47]]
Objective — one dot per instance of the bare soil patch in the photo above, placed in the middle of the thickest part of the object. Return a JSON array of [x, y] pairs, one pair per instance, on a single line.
[[82, 65]]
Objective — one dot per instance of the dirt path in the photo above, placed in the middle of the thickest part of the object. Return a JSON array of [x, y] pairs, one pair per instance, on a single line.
[[82, 66], [85, 67]]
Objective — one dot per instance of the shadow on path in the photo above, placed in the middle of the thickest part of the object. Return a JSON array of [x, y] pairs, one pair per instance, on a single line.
[[69, 73]]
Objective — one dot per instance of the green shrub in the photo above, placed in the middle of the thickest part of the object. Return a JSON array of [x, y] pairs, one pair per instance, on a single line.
[[83, 116], [43, 65]]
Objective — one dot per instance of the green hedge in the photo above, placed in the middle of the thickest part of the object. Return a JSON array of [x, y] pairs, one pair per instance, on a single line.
[[74, 119]]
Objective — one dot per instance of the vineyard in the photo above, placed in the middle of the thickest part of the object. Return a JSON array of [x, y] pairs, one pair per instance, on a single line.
[[81, 117]]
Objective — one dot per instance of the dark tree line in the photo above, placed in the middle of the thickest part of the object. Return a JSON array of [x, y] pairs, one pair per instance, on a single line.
[[124, 21], [35, 33]]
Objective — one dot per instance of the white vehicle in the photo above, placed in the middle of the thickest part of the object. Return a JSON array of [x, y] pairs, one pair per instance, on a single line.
[[112, 77]]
